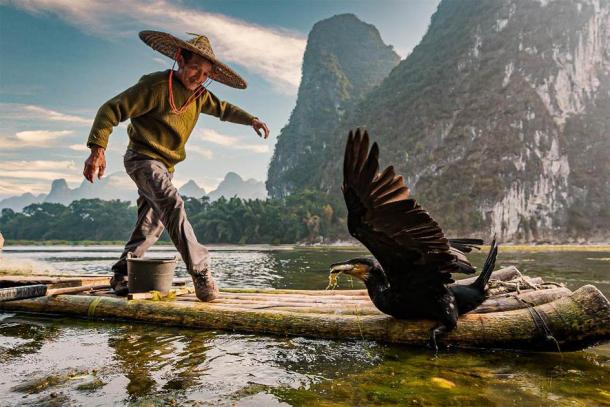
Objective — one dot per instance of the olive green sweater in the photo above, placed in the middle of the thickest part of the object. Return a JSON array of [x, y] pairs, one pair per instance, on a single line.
[[154, 130]]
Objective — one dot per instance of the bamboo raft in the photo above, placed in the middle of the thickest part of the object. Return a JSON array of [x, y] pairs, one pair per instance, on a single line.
[[521, 313]]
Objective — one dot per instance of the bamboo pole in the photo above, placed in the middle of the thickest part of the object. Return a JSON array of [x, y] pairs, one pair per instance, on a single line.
[[289, 291], [297, 298], [576, 321], [7, 281], [511, 301], [28, 291], [499, 303], [38, 290], [76, 290], [503, 274]]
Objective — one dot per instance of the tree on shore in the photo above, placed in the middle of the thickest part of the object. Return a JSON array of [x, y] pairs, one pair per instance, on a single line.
[[304, 217]]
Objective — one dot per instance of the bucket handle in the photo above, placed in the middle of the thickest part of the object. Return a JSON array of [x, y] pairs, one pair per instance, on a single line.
[[177, 257]]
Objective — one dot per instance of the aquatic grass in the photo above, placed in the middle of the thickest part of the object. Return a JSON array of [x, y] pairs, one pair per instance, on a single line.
[[486, 378], [40, 384]]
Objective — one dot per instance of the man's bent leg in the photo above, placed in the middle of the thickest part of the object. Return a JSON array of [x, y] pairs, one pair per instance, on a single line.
[[146, 232], [154, 183]]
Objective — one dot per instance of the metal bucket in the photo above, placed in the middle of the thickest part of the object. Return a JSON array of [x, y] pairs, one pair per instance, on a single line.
[[148, 274]]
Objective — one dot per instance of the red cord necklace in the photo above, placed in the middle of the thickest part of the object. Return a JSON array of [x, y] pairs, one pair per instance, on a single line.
[[188, 101]]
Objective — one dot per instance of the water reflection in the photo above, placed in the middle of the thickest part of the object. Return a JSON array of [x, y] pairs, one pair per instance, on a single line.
[[83, 362], [19, 337], [139, 362], [47, 361]]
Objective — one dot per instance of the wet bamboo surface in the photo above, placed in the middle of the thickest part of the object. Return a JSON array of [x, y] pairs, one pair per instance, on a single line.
[[552, 318], [52, 281]]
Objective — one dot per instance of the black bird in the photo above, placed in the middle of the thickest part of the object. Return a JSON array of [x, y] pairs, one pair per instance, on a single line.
[[410, 275]]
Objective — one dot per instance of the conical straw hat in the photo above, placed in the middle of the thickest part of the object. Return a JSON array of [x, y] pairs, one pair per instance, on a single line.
[[168, 45]]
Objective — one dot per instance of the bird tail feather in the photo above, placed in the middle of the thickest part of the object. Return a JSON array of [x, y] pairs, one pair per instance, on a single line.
[[488, 268]]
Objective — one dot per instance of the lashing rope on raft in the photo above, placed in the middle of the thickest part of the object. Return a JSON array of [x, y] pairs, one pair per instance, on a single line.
[[537, 316], [496, 287], [540, 322], [92, 305]]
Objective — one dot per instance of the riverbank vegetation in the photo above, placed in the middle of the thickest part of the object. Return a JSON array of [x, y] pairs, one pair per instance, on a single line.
[[308, 217]]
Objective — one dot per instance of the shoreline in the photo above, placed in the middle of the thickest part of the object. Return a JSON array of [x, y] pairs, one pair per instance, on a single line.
[[588, 247]]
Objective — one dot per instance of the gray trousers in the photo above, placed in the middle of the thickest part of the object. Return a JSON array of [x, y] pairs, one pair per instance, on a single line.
[[159, 207]]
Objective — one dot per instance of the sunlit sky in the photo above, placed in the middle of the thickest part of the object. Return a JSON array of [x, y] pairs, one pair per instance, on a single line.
[[61, 59]]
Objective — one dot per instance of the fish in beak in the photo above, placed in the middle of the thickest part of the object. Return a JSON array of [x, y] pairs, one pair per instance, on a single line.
[[358, 268]]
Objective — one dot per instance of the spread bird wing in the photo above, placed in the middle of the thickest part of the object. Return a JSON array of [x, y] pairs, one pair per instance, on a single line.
[[401, 235]]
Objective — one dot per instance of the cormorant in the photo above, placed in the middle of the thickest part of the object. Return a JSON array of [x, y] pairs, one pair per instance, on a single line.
[[410, 275]]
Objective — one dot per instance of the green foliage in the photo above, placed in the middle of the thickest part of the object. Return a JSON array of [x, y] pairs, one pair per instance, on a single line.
[[307, 216], [86, 219]]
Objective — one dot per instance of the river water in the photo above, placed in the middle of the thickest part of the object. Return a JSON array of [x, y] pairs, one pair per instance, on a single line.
[[64, 361]]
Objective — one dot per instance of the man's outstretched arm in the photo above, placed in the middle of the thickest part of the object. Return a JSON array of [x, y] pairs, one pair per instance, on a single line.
[[226, 111]]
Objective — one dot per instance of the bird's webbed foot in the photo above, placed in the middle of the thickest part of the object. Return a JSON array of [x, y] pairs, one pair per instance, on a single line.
[[434, 332]]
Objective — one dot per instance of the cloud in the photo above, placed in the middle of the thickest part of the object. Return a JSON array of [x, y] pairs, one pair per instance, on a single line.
[[13, 188], [231, 142], [53, 115], [36, 165], [217, 138], [78, 147], [21, 176], [204, 152], [41, 136], [22, 112], [275, 54], [35, 138]]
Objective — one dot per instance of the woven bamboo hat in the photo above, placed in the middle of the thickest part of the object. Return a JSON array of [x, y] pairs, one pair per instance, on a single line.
[[168, 45]]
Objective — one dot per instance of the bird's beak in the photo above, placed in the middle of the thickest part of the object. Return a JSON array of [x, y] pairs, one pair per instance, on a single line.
[[341, 268], [359, 271]]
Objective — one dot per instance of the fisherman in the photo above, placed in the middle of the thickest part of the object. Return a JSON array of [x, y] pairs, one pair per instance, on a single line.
[[164, 108]]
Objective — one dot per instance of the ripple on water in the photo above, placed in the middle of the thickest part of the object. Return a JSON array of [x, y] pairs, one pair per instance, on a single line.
[[92, 363]]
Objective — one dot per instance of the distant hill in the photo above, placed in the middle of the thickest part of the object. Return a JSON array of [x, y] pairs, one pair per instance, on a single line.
[[17, 203], [118, 185], [234, 185], [114, 186], [191, 189], [344, 59], [499, 120]]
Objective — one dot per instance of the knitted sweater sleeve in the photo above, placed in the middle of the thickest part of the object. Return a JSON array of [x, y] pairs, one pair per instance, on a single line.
[[133, 102], [225, 111]]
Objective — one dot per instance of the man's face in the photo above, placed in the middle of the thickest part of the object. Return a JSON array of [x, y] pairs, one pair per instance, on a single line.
[[194, 72]]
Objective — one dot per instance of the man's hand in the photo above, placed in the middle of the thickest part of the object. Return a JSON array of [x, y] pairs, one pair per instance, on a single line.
[[258, 125], [95, 164]]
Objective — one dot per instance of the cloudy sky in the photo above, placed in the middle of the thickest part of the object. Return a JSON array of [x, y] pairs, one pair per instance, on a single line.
[[61, 59]]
